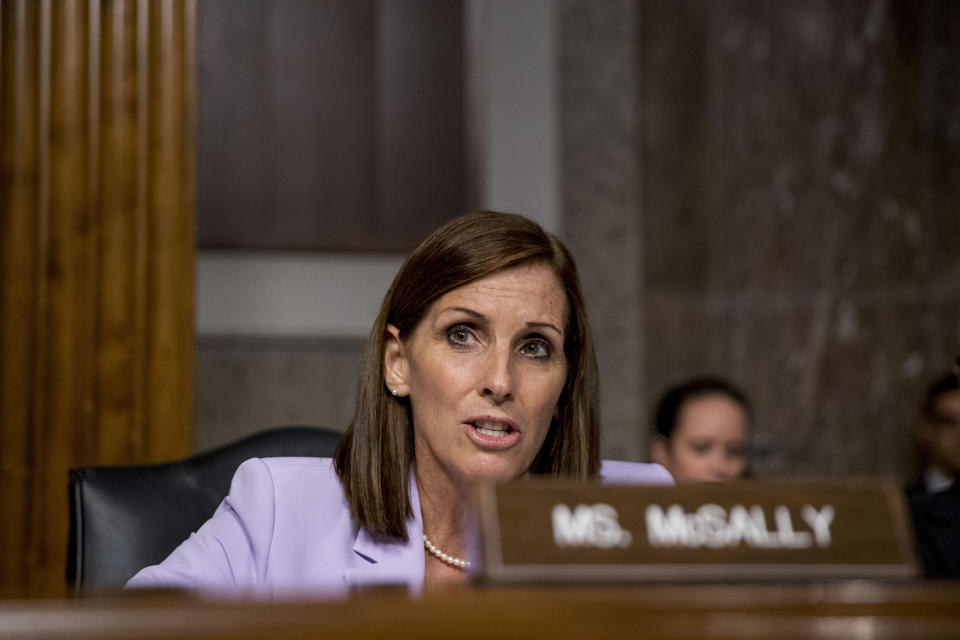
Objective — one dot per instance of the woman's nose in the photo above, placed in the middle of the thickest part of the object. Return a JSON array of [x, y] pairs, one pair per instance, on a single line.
[[729, 469], [720, 467], [497, 379]]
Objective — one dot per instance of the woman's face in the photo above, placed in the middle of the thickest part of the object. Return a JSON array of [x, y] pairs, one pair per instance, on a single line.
[[943, 432], [709, 443], [484, 370]]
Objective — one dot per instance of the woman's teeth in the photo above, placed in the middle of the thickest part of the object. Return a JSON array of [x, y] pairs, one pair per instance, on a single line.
[[495, 429]]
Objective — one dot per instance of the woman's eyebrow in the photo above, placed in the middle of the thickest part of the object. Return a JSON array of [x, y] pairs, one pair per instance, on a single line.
[[480, 316], [469, 312], [536, 325]]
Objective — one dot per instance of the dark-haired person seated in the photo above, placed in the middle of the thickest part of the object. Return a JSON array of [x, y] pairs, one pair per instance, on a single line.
[[480, 366], [935, 498], [936, 523], [701, 431], [938, 438]]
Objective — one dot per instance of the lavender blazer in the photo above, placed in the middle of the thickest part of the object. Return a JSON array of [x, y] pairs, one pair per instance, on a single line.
[[285, 530]]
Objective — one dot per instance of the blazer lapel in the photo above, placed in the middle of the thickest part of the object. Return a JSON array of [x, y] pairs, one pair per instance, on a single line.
[[387, 561]]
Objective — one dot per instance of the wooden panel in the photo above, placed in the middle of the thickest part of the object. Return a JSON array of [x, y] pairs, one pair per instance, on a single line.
[[171, 241], [96, 122], [330, 125], [321, 84], [232, 62], [119, 372], [421, 175], [62, 311], [719, 611], [287, 139], [19, 22], [737, 532]]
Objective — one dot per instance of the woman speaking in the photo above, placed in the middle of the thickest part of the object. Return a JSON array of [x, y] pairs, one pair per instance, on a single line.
[[480, 366]]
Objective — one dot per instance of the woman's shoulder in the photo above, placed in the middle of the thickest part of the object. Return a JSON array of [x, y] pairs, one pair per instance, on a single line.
[[284, 523], [298, 467], [621, 472], [288, 479]]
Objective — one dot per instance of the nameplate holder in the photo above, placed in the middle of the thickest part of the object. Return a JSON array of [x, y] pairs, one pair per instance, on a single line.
[[777, 531]]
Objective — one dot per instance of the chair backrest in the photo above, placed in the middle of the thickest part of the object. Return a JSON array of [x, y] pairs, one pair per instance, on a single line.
[[123, 518]]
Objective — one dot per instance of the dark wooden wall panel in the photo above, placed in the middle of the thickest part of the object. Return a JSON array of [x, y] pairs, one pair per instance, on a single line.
[[97, 240], [421, 173], [322, 90], [332, 125], [235, 117], [287, 141]]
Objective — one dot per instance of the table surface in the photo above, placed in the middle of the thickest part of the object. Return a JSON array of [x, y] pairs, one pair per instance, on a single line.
[[849, 610]]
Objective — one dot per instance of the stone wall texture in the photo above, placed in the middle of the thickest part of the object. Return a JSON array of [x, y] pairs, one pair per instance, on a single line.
[[247, 384], [768, 191]]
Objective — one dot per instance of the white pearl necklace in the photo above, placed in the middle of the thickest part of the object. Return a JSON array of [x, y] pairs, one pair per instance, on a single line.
[[445, 557]]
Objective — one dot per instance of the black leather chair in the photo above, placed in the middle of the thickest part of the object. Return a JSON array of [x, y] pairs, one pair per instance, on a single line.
[[123, 518]]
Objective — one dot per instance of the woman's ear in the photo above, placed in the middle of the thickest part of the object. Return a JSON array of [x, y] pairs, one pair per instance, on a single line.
[[395, 363], [660, 451]]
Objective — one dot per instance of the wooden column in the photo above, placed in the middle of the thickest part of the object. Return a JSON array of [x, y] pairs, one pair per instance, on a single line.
[[97, 216]]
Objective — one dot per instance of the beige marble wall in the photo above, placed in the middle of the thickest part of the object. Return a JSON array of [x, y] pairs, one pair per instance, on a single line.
[[601, 193], [793, 223]]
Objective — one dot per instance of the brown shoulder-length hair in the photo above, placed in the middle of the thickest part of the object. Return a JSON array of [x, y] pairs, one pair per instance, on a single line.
[[374, 457]]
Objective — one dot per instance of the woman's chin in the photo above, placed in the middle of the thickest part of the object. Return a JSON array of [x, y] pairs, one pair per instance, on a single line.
[[493, 472]]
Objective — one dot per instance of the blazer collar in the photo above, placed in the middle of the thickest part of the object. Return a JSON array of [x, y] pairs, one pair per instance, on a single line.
[[388, 561]]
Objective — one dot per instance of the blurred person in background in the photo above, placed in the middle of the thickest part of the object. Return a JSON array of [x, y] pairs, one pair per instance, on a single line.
[[938, 438], [701, 429], [935, 500]]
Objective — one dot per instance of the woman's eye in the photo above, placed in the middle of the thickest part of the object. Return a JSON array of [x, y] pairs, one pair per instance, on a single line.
[[701, 448], [736, 453], [459, 336], [536, 349]]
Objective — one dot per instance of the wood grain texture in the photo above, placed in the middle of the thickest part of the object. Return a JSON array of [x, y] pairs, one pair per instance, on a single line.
[[96, 130], [857, 610]]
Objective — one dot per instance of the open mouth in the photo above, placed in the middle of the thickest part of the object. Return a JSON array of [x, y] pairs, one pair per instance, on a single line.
[[493, 429]]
